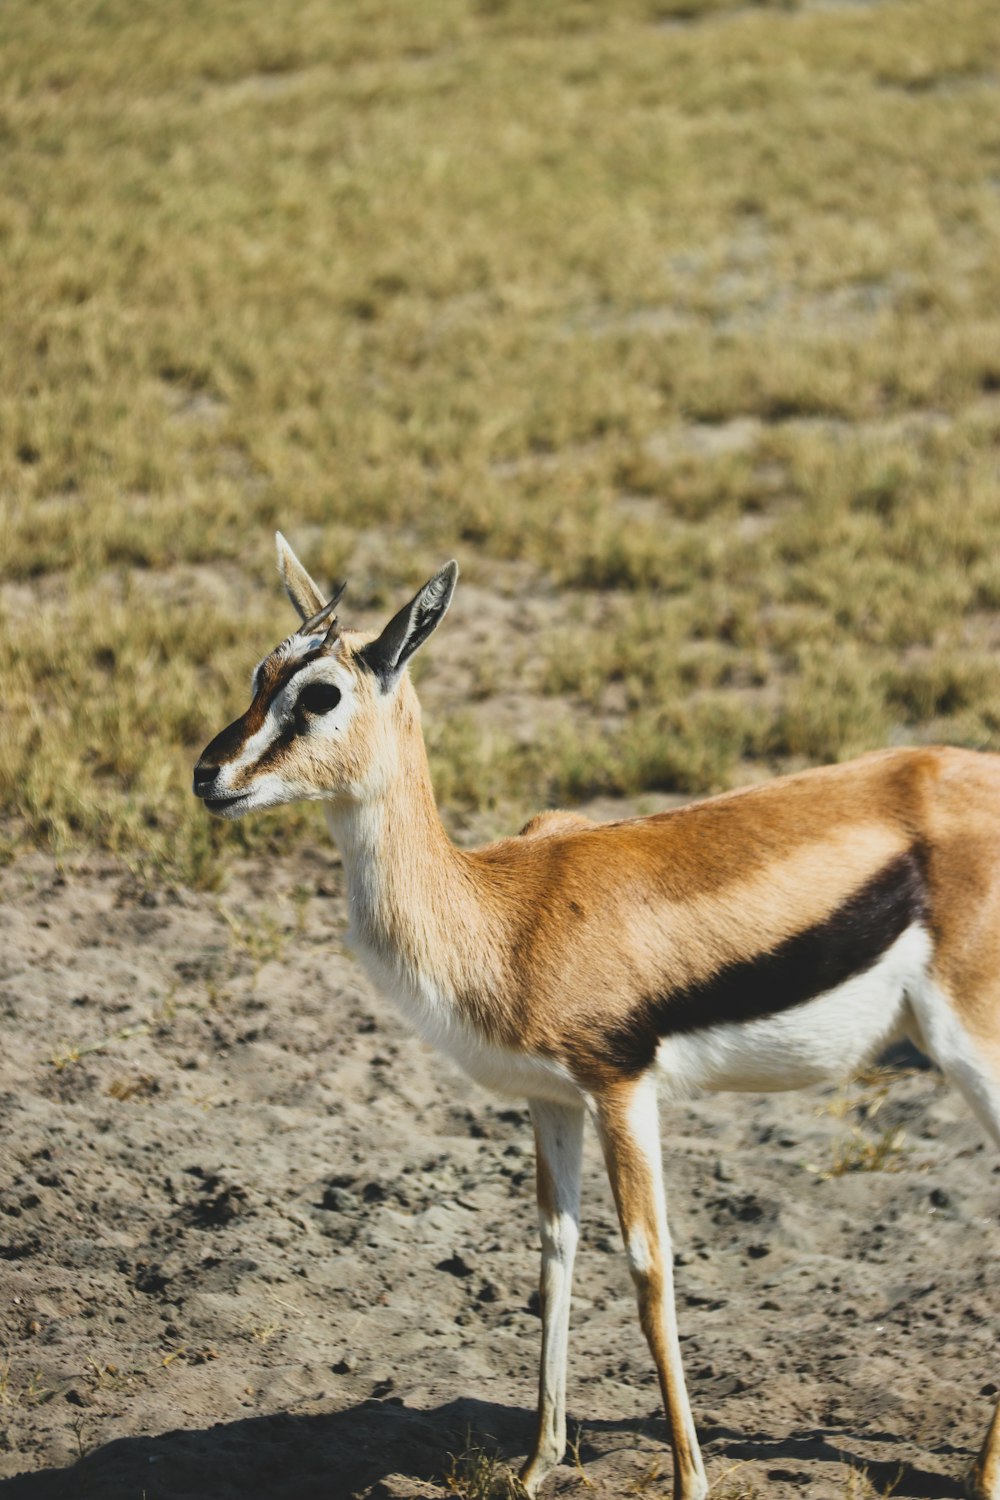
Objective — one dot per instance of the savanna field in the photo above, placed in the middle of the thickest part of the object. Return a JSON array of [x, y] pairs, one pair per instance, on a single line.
[[678, 325]]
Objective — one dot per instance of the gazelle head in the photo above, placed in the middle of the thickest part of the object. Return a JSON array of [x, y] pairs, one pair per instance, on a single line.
[[328, 705]]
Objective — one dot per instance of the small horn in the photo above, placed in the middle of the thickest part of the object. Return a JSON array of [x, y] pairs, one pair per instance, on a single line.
[[309, 627]]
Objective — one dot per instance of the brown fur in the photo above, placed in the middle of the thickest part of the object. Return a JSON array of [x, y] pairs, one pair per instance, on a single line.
[[550, 937]]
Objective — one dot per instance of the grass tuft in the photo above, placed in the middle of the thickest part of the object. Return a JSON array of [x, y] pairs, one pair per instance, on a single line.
[[861, 1153], [859, 1485], [478, 1473]]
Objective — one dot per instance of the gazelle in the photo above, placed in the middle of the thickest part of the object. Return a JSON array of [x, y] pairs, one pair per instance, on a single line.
[[765, 939]]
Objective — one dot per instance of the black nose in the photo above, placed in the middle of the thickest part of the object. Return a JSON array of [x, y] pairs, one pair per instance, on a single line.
[[203, 778]]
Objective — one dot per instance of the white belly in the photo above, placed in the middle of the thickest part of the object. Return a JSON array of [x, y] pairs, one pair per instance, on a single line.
[[822, 1040]]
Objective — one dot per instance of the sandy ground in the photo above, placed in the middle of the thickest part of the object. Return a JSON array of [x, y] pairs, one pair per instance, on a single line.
[[255, 1240]]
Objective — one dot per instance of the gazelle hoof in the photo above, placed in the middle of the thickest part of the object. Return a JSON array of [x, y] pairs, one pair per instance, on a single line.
[[534, 1473]]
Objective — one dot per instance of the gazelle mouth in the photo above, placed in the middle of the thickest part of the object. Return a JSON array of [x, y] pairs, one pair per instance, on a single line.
[[223, 804]]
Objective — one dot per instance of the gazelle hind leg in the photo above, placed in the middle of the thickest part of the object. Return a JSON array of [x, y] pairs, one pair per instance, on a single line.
[[975, 1073], [558, 1148], [628, 1123], [940, 1032]]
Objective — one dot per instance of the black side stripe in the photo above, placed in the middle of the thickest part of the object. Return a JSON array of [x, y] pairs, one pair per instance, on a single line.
[[846, 943]]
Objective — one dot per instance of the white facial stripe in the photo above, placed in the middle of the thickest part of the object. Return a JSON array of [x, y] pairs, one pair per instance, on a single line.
[[321, 669], [251, 753], [296, 646], [302, 645]]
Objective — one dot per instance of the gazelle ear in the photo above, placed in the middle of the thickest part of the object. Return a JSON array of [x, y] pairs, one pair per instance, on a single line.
[[303, 592], [386, 657]]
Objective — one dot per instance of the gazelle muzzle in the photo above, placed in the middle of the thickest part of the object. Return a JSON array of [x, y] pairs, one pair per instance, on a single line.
[[213, 761]]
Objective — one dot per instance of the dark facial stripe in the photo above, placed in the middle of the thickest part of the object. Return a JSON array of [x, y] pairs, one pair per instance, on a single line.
[[273, 674], [849, 941], [277, 749], [226, 746]]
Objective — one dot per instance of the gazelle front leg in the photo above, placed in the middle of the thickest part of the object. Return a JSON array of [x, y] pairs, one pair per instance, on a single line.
[[984, 1481], [628, 1123], [558, 1151]]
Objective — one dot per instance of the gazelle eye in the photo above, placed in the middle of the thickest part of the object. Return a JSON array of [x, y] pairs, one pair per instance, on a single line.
[[319, 697]]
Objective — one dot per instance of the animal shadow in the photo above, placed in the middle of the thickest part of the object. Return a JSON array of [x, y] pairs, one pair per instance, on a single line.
[[382, 1448], [329, 1456]]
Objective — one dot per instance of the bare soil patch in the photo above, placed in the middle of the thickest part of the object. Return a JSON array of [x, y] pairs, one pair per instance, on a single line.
[[257, 1240]]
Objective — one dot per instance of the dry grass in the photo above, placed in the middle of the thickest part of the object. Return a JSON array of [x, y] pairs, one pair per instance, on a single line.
[[688, 311], [858, 1152], [865, 1146], [858, 1485], [478, 1473], [19, 1389], [736, 1483]]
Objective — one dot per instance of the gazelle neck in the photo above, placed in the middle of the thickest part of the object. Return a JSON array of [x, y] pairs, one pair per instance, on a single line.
[[416, 915]]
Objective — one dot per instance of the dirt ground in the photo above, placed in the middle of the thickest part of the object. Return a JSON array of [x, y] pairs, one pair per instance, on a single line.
[[256, 1240]]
